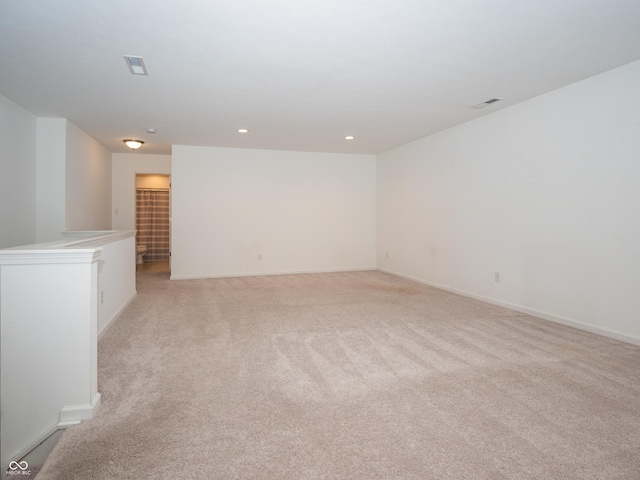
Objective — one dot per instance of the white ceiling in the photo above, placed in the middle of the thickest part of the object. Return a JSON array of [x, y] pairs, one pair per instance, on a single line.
[[300, 74]]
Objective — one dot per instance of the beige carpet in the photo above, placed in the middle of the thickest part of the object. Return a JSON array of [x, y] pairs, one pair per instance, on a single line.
[[350, 376]]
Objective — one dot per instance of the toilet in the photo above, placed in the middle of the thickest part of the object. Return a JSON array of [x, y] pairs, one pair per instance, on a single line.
[[141, 251]]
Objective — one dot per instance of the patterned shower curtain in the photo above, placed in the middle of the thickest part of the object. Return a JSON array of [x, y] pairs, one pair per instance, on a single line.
[[152, 222]]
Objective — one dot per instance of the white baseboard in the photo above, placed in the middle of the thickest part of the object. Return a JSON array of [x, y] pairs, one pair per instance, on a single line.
[[74, 414], [605, 332], [116, 315], [263, 274]]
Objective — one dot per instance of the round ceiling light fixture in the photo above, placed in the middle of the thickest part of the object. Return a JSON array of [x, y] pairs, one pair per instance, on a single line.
[[133, 144], [243, 130]]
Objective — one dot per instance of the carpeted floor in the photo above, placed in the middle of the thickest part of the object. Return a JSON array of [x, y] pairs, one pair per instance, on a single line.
[[353, 376]]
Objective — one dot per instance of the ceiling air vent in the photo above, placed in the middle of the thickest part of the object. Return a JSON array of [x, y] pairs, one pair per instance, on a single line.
[[488, 102], [136, 65]]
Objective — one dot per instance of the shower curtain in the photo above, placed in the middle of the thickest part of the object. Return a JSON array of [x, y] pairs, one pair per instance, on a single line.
[[152, 222]]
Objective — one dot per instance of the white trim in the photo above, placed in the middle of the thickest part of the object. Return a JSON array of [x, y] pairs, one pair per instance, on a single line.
[[97, 237], [52, 256], [68, 423], [623, 337], [110, 323], [263, 274], [74, 414]]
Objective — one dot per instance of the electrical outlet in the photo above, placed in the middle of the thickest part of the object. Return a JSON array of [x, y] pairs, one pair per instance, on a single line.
[[101, 297], [387, 254], [259, 256], [496, 276]]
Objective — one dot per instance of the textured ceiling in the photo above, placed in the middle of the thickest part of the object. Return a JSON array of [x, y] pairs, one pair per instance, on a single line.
[[299, 74]]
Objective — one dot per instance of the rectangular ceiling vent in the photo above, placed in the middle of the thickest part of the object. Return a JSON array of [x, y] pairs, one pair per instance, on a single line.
[[136, 65], [488, 102]]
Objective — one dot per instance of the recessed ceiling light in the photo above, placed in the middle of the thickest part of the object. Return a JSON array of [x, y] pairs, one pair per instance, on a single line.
[[349, 137], [151, 130], [136, 65], [243, 130]]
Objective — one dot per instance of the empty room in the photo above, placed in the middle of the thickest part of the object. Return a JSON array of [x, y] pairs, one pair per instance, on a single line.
[[320, 239]]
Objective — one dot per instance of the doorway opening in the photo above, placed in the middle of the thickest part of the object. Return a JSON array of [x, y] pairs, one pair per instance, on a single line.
[[153, 223]]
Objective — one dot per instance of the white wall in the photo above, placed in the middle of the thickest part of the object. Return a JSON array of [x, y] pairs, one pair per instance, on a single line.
[[49, 344], [17, 174], [56, 299], [302, 212], [547, 193], [73, 180], [116, 280], [51, 178], [125, 166], [88, 182]]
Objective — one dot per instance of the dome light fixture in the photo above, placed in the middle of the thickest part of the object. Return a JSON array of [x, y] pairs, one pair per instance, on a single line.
[[133, 144]]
